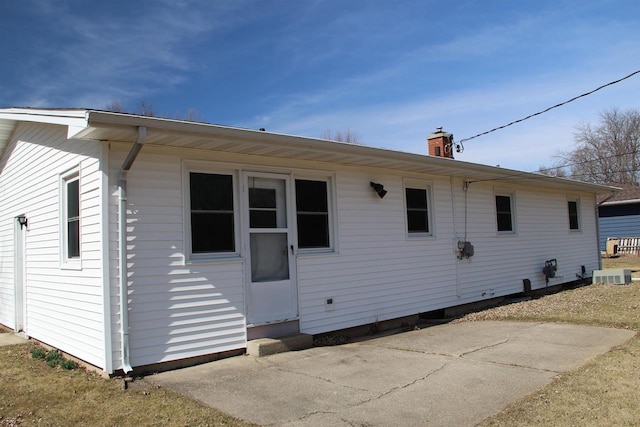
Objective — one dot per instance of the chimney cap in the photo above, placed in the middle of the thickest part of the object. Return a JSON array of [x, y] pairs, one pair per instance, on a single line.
[[438, 133]]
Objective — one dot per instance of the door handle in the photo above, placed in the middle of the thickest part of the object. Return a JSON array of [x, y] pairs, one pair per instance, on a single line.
[[292, 253]]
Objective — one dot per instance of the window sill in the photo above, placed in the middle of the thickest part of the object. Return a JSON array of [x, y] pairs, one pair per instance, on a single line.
[[303, 253], [420, 236], [71, 265], [222, 259]]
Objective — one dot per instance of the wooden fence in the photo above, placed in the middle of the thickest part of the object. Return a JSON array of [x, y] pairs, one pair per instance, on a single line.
[[623, 246]]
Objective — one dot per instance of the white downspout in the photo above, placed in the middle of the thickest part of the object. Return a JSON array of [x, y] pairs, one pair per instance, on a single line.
[[122, 223]]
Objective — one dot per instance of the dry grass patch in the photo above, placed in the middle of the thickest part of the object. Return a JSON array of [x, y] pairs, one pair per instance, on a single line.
[[31, 392], [599, 305], [606, 390], [602, 393]]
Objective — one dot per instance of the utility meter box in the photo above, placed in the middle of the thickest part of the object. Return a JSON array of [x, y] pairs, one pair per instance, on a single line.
[[612, 276]]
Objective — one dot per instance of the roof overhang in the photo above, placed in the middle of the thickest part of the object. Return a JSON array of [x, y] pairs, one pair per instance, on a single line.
[[74, 119], [118, 127], [621, 202]]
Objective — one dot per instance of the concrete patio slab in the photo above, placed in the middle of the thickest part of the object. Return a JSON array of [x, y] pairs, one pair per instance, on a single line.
[[454, 374]]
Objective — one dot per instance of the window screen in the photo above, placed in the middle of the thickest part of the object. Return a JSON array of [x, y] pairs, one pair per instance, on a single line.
[[73, 217], [574, 223], [212, 218], [417, 210], [503, 213], [312, 212]]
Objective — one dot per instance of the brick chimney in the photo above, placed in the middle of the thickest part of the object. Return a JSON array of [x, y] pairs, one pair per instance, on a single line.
[[440, 144]]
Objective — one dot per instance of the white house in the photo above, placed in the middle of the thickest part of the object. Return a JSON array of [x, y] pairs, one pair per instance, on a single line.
[[129, 241]]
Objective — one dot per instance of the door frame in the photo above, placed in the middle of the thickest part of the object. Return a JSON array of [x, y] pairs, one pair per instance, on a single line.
[[291, 246]]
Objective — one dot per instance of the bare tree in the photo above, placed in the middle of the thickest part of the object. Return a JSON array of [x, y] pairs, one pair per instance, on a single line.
[[191, 115], [607, 152], [116, 106], [346, 135], [145, 108], [557, 171]]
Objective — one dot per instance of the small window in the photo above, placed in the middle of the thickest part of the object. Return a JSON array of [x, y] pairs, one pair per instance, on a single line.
[[312, 212], [417, 210], [504, 213], [574, 215], [212, 214], [71, 203]]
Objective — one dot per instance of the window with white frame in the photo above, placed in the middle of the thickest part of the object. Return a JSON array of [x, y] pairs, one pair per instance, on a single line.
[[212, 214], [417, 196], [313, 213], [504, 213], [71, 216], [574, 214]]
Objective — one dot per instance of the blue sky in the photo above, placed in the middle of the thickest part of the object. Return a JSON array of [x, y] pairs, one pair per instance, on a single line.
[[390, 71]]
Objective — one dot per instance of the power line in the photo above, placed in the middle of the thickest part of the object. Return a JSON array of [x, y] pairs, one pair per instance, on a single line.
[[583, 162], [519, 174], [550, 108]]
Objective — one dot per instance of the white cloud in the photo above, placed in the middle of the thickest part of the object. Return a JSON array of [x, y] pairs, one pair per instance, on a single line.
[[112, 53]]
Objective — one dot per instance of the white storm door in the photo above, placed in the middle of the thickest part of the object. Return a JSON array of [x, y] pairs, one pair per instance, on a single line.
[[272, 291]]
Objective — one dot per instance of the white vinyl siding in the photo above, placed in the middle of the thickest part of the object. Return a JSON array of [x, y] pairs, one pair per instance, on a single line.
[[380, 275], [178, 309], [500, 264], [64, 307]]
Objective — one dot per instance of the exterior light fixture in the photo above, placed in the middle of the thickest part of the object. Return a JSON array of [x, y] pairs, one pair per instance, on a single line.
[[379, 188], [22, 220]]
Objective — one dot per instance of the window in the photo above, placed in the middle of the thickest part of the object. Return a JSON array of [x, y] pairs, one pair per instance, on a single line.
[[312, 213], [263, 212], [71, 214], [574, 215], [417, 199], [504, 213], [417, 210], [212, 214]]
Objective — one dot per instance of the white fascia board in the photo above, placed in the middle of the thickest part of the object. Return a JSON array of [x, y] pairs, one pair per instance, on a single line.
[[455, 167], [621, 202], [76, 120], [58, 117]]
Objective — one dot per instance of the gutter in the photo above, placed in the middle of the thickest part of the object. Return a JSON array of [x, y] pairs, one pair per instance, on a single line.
[[619, 202], [122, 224]]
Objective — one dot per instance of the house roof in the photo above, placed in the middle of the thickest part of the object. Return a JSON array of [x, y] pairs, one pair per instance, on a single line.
[[624, 195], [109, 126]]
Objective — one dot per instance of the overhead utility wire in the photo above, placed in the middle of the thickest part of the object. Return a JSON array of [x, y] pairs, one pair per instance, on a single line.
[[550, 108], [584, 162], [519, 174]]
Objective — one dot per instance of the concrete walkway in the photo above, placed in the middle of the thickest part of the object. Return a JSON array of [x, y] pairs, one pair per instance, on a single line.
[[456, 374], [11, 338]]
